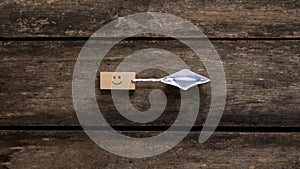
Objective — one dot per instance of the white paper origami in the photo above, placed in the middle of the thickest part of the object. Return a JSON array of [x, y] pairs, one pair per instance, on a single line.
[[183, 79]]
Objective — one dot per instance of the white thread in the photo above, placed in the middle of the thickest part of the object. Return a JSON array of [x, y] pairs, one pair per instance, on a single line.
[[146, 80]]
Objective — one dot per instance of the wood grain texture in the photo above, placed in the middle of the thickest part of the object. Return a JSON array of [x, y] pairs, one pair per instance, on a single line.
[[262, 83], [218, 19], [64, 149], [258, 43]]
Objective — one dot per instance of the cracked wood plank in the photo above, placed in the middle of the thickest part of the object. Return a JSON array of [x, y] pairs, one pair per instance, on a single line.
[[65, 149], [218, 19], [262, 83]]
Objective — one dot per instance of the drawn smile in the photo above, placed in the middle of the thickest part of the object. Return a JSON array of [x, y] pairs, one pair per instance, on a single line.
[[117, 83]]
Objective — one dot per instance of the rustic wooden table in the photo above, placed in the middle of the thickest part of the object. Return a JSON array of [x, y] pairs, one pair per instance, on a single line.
[[258, 42]]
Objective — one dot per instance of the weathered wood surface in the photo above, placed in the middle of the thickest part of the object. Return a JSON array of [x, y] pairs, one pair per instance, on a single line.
[[32, 149], [218, 19], [262, 81]]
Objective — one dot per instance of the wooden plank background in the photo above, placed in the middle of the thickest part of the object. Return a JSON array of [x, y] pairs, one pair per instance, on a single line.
[[39, 149], [262, 81], [258, 43], [81, 18]]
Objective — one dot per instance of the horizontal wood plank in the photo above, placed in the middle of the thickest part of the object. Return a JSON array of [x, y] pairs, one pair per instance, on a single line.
[[218, 19], [65, 149], [262, 83]]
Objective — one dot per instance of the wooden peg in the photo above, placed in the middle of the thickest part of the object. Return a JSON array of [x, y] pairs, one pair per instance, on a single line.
[[117, 80]]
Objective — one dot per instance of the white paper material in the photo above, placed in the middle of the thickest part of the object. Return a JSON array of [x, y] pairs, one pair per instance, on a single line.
[[183, 79]]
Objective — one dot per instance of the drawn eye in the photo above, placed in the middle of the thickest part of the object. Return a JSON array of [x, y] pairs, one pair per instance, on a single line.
[[114, 77], [119, 77]]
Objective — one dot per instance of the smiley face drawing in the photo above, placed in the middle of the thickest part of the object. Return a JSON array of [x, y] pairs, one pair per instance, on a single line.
[[117, 80]]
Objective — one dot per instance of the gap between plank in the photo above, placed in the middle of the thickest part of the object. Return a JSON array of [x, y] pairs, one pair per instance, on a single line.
[[156, 128], [133, 38]]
